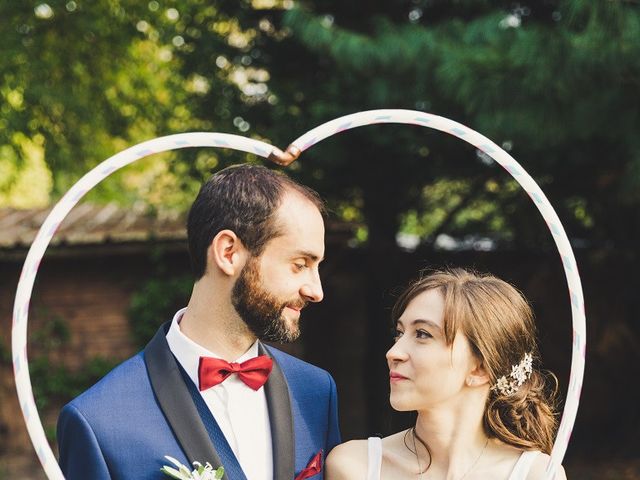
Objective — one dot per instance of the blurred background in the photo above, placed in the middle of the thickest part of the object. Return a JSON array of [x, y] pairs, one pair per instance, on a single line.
[[556, 83]]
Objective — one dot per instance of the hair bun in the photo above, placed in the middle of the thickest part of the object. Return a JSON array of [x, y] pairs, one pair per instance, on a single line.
[[527, 418]]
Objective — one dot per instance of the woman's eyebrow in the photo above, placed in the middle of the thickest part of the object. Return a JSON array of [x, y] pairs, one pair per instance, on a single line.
[[426, 322]]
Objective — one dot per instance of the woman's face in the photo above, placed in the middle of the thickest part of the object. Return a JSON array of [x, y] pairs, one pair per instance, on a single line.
[[424, 371]]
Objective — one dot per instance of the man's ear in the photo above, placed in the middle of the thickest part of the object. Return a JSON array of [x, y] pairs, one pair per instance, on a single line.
[[227, 253], [478, 375]]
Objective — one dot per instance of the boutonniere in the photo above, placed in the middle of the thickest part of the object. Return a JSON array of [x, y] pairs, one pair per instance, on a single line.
[[313, 468], [201, 472]]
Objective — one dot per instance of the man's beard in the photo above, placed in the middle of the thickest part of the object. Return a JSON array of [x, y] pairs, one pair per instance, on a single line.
[[260, 310]]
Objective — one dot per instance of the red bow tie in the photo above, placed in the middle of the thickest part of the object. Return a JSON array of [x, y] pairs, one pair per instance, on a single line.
[[254, 372]]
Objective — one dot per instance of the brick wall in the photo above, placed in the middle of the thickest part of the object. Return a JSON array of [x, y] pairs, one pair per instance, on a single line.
[[91, 295]]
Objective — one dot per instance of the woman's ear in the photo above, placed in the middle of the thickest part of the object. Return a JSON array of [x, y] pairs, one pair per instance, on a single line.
[[226, 253], [477, 376]]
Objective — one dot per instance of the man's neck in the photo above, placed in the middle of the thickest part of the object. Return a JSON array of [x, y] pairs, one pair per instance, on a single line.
[[215, 325]]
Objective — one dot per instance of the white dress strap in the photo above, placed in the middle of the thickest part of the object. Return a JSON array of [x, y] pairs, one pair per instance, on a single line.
[[374, 445], [523, 465]]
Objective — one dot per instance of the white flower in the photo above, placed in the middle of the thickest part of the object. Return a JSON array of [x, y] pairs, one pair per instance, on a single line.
[[201, 472], [519, 373]]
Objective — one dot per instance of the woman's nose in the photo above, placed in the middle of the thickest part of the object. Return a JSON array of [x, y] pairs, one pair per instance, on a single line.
[[396, 353]]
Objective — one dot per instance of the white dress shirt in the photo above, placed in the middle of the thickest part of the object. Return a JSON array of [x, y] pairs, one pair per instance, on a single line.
[[240, 411]]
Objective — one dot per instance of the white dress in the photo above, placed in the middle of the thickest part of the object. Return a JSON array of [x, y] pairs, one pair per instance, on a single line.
[[374, 444]]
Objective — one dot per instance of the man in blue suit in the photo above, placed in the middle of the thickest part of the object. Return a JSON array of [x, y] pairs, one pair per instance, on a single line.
[[206, 388]]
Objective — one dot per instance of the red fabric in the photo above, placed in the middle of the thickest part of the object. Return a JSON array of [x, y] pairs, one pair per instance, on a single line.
[[313, 468], [254, 372]]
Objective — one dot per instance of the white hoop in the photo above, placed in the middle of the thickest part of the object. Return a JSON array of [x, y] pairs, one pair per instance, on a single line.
[[235, 142]]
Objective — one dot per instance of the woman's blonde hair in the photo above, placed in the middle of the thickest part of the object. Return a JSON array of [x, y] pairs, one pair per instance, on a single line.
[[498, 323]]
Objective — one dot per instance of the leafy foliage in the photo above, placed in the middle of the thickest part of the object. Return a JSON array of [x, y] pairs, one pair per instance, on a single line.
[[543, 79], [81, 82], [154, 303]]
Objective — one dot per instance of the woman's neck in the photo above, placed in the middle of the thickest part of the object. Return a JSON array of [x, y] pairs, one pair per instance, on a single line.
[[455, 437]]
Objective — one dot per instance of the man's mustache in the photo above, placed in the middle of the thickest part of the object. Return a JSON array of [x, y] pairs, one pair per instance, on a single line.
[[299, 304]]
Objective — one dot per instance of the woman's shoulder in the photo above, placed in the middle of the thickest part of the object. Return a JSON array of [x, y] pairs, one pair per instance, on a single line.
[[350, 460], [350, 449], [539, 467], [347, 461]]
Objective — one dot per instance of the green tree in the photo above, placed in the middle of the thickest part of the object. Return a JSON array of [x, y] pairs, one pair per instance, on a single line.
[[81, 81]]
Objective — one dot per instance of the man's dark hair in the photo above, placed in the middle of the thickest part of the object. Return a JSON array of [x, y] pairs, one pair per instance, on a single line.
[[241, 198]]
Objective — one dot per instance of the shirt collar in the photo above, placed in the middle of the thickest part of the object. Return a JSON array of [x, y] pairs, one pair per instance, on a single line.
[[188, 352]]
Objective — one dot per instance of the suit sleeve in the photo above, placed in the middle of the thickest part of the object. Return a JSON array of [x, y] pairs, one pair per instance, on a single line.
[[333, 432], [80, 453]]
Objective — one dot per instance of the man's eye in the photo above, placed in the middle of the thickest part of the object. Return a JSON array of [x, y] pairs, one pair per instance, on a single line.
[[423, 334], [300, 266]]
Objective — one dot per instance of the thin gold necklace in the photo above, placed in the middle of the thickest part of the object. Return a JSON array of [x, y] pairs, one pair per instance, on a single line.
[[486, 442], [421, 472], [415, 450]]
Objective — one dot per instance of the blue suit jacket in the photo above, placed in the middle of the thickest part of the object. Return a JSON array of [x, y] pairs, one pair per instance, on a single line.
[[122, 427]]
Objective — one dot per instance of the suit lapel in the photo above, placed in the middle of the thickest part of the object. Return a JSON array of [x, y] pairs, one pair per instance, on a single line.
[[176, 402], [183, 417], [280, 418]]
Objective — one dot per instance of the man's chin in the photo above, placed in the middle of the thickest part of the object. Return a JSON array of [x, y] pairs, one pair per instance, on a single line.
[[287, 336], [284, 330], [292, 328]]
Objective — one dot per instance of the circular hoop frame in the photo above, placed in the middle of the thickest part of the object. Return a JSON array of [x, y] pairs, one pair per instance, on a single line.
[[235, 142]]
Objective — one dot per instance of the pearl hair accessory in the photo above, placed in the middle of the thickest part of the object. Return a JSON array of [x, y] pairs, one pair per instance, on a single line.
[[519, 374]]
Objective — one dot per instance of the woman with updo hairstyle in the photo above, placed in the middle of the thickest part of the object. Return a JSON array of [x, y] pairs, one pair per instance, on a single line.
[[465, 358]]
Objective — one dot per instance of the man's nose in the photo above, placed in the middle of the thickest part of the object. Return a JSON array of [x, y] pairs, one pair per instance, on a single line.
[[312, 289]]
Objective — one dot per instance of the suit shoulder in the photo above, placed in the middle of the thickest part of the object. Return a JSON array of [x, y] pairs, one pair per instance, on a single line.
[[348, 460], [292, 364], [124, 379]]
